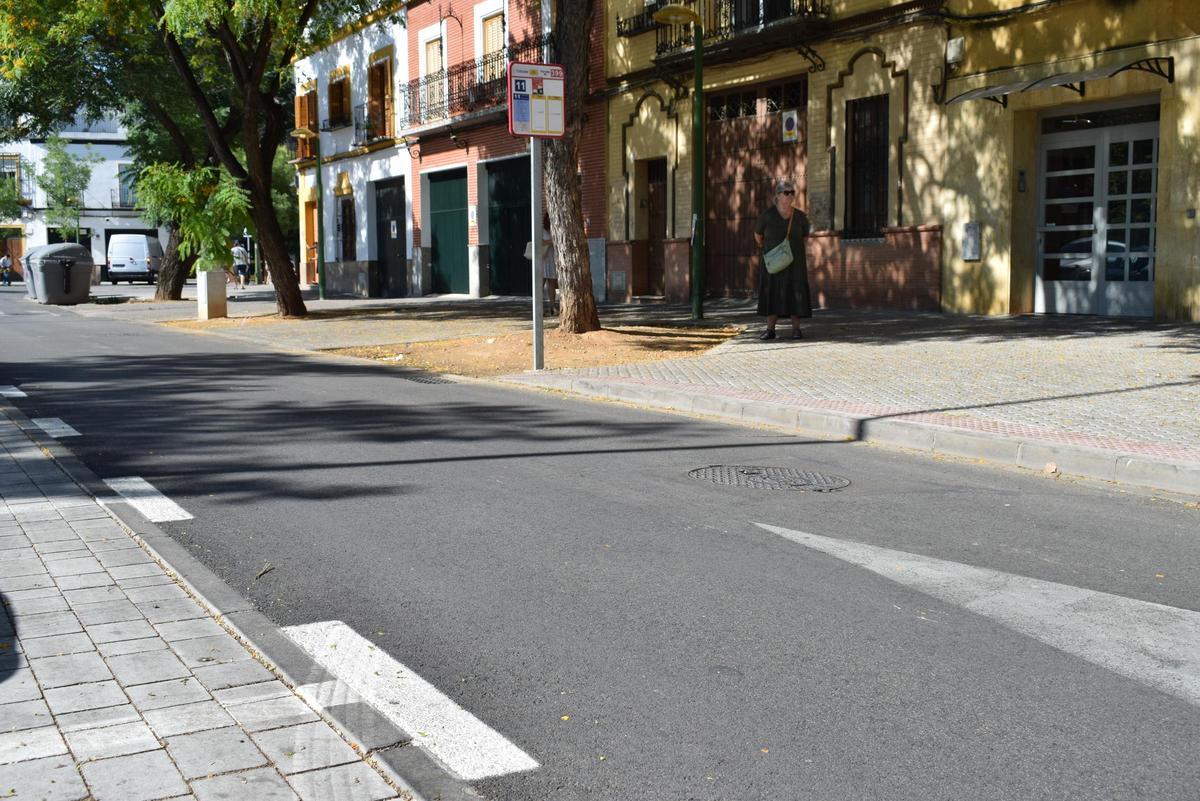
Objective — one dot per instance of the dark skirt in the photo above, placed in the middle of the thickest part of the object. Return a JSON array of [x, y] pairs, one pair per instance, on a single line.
[[785, 294]]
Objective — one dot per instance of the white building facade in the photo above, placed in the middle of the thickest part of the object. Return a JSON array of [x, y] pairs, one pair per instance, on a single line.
[[346, 93], [108, 205]]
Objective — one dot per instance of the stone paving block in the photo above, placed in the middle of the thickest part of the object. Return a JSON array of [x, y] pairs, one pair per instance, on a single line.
[[112, 741], [188, 718], [30, 714], [62, 546], [306, 747], [167, 693], [55, 533], [14, 540], [147, 668], [38, 514], [107, 544], [167, 611], [353, 782], [21, 567], [123, 557], [145, 581], [122, 647], [80, 697], [107, 612], [51, 779], [136, 571], [37, 606], [97, 718], [29, 744], [19, 685], [48, 624], [262, 784], [189, 629], [204, 651], [83, 581], [207, 753], [63, 556], [30, 582], [252, 692], [137, 777], [272, 713], [94, 595], [125, 630], [57, 645], [233, 674], [156, 592], [63, 671]]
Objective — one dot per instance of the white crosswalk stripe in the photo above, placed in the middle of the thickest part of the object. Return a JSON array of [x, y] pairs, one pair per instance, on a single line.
[[153, 505], [55, 427], [465, 745], [9, 391], [1154, 644]]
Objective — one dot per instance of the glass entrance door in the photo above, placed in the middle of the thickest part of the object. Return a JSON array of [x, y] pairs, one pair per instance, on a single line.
[[1096, 214]]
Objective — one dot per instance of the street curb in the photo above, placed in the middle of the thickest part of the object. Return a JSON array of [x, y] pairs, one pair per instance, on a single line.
[[1076, 460], [382, 744]]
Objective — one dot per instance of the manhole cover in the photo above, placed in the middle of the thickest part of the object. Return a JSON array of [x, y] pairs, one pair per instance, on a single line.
[[425, 378], [773, 478]]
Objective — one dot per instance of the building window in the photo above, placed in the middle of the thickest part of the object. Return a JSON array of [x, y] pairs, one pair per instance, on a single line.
[[733, 105], [783, 96], [866, 166], [306, 117], [379, 99], [125, 196], [339, 101], [433, 82], [493, 64], [10, 168], [347, 235]]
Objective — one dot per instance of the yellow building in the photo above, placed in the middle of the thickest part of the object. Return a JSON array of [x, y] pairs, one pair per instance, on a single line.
[[921, 134]]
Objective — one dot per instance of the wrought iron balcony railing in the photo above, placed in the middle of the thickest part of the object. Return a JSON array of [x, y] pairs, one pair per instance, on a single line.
[[123, 198], [463, 88], [727, 19], [641, 22], [373, 121]]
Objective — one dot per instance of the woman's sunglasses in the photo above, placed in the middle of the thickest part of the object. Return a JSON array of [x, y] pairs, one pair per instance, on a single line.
[[788, 192]]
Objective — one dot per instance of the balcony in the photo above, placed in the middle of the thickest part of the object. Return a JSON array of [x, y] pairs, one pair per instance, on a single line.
[[123, 198], [639, 23], [734, 26], [373, 122], [463, 89]]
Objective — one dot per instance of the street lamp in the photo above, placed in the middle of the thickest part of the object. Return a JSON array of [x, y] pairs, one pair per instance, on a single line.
[[309, 135], [676, 14]]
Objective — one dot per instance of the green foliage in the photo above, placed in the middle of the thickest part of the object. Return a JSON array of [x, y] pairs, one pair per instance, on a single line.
[[10, 200], [206, 204], [64, 178]]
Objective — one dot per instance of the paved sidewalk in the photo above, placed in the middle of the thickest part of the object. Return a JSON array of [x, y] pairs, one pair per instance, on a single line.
[[1113, 399], [116, 685]]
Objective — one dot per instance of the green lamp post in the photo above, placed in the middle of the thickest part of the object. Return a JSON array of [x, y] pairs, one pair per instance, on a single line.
[[676, 14], [314, 137]]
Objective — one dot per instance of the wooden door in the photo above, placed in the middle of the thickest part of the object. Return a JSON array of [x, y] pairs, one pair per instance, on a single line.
[[656, 191], [310, 242]]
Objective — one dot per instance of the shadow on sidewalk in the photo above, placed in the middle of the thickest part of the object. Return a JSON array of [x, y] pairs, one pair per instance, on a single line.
[[8, 641]]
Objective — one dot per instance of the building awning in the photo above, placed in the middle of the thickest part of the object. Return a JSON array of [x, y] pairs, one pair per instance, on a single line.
[[1163, 67]]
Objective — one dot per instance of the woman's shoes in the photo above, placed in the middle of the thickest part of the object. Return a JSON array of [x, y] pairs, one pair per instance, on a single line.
[[797, 334], [768, 334]]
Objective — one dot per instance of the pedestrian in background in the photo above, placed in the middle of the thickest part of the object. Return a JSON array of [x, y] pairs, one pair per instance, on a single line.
[[549, 268], [784, 293], [6, 268], [241, 263]]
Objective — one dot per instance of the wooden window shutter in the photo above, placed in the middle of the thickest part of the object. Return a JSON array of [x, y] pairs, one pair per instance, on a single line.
[[493, 34]]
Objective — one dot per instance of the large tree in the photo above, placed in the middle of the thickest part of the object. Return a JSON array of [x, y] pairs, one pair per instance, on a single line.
[[573, 21]]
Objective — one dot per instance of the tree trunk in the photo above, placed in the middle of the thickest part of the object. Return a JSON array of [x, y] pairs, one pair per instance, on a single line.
[[174, 270], [288, 301], [562, 184]]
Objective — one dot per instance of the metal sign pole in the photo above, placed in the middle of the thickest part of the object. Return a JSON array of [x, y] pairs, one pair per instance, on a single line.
[[535, 205]]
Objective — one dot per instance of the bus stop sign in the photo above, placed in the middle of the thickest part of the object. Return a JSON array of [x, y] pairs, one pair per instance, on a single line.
[[536, 100]]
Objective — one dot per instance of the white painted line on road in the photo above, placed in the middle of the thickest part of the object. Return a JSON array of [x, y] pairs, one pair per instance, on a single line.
[[1153, 644], [154, 506], [9, 391], [55, 427], [465, 745]]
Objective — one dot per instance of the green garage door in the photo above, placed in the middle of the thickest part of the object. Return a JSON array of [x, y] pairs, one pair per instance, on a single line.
[[448, 231], [509, 222]]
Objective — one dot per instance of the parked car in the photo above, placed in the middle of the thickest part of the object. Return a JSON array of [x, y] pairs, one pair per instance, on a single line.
[[133, 257]]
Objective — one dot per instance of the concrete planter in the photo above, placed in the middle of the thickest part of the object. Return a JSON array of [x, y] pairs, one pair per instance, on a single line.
[[210, 295]]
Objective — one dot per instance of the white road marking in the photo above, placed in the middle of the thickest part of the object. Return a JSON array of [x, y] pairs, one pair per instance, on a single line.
[[465, 745], [154, 506], [55, 427], [1150, 643], [9, 391]]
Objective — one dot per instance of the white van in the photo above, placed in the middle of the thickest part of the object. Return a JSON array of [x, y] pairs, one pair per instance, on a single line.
[[134, 257]]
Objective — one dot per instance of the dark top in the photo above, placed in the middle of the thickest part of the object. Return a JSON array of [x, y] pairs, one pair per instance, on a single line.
[[773, 227]]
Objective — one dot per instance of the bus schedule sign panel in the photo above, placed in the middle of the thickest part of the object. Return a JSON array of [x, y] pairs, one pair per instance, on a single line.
[[536, 99]]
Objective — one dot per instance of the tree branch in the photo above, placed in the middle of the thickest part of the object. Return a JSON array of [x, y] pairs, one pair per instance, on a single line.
[[186, 155]]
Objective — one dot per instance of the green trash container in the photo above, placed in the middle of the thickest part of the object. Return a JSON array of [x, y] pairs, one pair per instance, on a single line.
[[62, 274]]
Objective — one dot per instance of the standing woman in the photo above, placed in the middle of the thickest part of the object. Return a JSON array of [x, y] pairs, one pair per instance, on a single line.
[[784, 293]]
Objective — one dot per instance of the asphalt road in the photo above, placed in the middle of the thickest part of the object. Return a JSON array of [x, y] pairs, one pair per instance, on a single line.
[[537, 558]]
